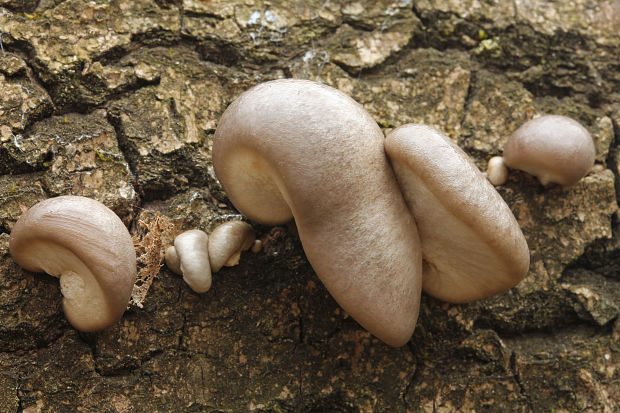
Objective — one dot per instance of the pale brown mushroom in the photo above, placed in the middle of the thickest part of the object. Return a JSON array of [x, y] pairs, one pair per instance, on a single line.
[[87, 246], [227, 242], [196, 255], [189, 257], [295, 148], [554, 148], [471, 243], [497, 173]]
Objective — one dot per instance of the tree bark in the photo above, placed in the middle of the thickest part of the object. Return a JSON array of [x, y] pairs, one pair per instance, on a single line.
[[119, 100]]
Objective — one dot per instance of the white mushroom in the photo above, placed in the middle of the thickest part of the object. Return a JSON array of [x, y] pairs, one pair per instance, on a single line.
[[87, 246], [295, 148], [497, 173], [189, 257], [553, 148], [226, 243], [472, 245], [195, 255]]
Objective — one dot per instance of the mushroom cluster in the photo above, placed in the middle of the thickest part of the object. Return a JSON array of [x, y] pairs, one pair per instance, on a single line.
[[195, 255], [380, 218], [85, 245], [375, 233], [554, 148]]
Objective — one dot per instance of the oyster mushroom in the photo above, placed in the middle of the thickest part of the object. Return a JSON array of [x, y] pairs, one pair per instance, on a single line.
[[497, 173], [295, 148], [472, 246], [189, 257], [554, 148], [226, 243], [85, 245], [196, 256]]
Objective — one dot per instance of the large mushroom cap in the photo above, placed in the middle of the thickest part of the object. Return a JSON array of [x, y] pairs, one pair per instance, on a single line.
[[295, 148], [471, 243], [553, 148], [87, 246]]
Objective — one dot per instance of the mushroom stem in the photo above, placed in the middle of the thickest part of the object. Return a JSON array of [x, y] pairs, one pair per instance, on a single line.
[[71, 285]]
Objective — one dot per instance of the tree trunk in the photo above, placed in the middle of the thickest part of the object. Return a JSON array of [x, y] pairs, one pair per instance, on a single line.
[[119, 100]]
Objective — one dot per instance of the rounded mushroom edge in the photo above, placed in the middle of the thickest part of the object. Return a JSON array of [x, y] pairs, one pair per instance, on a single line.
[[472, 245], [497, 173], [298, 149], [189, 257], [227, 242], [554, 148], [86, 245]]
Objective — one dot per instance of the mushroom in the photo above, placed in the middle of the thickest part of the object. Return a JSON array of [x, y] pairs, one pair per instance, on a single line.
[[472, 246], [195, 255], [298, 149], [553, 148], [87, 246], [497, 173], [226, 243], [189, 257]]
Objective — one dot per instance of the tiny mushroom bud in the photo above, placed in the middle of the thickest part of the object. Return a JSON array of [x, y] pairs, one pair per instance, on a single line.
[[226, 243], [189, 257], [471, 243], [87, 246], [257, 246], [553, 148], [298, 149], [172, 260], [497, 173]]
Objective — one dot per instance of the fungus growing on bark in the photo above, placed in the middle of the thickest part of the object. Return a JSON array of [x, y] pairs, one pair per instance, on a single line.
[[189, 257], [227, 242], [295, 148], [85, 245], [471, 243], [195, 255], [497, 173], [553, 148]]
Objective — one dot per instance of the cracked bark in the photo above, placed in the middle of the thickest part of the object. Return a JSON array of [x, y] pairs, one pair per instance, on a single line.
[[151, 78]]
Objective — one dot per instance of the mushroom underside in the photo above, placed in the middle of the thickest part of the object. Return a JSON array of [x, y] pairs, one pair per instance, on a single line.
[[459, 265], [471, 243], [84, 302]]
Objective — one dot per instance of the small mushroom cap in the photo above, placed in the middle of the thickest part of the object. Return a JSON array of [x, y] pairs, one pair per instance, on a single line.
[[172, 260], [553, 148], [471, 243], [296, 148], [87, 246], [189, 257], [497, 173], [226, 243]]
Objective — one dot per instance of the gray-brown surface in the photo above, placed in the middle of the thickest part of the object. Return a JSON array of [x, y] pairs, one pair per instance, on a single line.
[[118, 101]]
